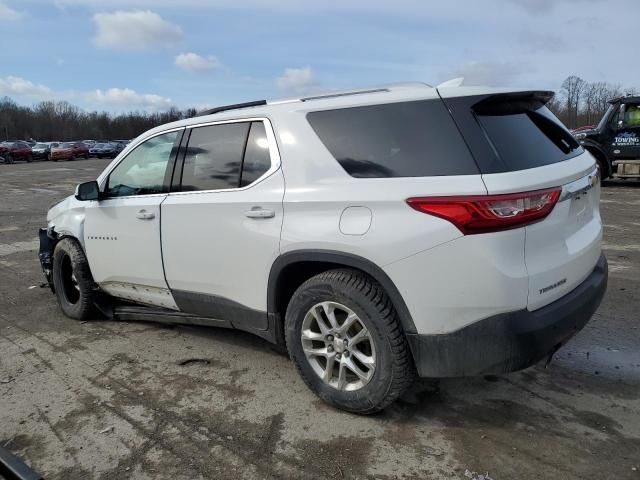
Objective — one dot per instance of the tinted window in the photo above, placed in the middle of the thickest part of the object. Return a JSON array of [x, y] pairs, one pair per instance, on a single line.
[[256, 158], [409, 139], [214, 157], [142, 172], [526, 134]]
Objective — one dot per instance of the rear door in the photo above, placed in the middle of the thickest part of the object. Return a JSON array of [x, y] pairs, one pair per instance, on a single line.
[[521, 146], [221, 230]]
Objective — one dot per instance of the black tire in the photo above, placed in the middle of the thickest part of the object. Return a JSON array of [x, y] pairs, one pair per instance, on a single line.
[[72, 279], [30, 159], [71, 158], [8, 159], [394, 369]]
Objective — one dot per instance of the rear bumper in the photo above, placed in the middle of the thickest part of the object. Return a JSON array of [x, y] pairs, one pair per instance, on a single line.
[[510, 341]]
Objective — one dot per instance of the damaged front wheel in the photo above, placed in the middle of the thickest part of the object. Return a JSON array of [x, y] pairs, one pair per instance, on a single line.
[[72, 279]]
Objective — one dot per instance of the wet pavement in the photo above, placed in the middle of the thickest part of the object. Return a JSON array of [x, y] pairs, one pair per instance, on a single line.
[[109, 400]]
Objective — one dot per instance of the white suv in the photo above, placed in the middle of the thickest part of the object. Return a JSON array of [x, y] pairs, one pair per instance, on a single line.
[[375, 233]]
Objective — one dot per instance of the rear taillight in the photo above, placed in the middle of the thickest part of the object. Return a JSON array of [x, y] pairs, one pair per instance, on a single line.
[[490, 213]]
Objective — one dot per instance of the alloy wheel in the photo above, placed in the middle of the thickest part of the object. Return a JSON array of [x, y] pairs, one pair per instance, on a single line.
[[338, 346]]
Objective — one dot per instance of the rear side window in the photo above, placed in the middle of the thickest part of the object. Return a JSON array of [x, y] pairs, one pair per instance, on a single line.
[[214, 157], [408, 139], [256, 158], [526, 134]]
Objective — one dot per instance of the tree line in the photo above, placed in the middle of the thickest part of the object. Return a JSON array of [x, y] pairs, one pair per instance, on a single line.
[[51, 120], [577, 103], [582, 103]]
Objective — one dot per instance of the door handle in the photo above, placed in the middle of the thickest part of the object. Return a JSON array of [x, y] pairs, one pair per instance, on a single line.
[[144, 215], [259, 212]]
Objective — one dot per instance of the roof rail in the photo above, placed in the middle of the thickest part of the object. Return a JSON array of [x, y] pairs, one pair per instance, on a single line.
[[235, 106], [344, 94]]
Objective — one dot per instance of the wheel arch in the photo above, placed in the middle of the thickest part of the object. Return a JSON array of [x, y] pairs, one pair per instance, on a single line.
[[291, 269], [600, 156]]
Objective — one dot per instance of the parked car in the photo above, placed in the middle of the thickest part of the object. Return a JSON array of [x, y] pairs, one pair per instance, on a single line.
[[13, 150], [41, 151], [388, 231], [63, 151], [95, 150], [80, 150], [104, 150]]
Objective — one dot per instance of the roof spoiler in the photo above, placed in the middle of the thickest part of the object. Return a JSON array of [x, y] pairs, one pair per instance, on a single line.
[[512, 102]]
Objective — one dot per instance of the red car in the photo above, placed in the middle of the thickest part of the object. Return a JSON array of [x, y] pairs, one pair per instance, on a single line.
[[80, 150], [69, 151], [15, 150]]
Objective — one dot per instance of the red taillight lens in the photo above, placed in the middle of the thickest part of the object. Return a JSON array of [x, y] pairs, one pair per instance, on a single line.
[[490, 213]]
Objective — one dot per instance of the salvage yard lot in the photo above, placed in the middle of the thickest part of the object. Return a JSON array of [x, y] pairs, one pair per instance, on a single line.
[[110, 400]]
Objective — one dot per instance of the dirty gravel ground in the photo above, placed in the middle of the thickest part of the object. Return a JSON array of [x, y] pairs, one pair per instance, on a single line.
[[108, 400]]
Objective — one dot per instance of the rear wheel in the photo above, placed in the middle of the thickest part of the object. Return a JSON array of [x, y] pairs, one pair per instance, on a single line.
[[29, 158], [72, 279], [8, 159], [346, 341]]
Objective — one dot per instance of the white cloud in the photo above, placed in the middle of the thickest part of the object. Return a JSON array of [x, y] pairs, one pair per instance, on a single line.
[[297, 80], [7, 13], [135, 30], [121, 99], [20, 87], [125, 97], [197, 63]]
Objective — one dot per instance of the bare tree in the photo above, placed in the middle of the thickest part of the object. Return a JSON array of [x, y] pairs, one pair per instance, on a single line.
[[52, 120], [572, 89]]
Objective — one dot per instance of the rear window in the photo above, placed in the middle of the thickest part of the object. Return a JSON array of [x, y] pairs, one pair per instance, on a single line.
[[408, 139], [526, 134]]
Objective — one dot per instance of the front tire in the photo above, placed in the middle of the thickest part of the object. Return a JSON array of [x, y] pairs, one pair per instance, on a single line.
[[346, 341], [72, 280]]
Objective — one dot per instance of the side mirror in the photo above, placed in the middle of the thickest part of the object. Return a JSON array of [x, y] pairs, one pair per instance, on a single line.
[[88, 191]]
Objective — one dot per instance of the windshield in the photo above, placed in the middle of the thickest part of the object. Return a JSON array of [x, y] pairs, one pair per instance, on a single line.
[[40, 145], [66, 145], [603, 121]]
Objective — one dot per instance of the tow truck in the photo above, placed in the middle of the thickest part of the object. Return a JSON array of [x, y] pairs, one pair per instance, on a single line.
[[615, 141]]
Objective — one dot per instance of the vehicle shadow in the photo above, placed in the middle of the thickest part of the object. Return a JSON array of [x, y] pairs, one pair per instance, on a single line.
[[617, 183]]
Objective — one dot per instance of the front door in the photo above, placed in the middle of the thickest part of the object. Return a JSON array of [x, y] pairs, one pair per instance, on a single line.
[[122, 230], [221, 231]]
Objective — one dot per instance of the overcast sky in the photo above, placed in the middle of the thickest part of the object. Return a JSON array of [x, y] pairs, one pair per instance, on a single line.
[[122, 55]]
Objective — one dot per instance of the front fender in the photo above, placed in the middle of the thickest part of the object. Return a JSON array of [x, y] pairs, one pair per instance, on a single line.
[[67, 219]]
